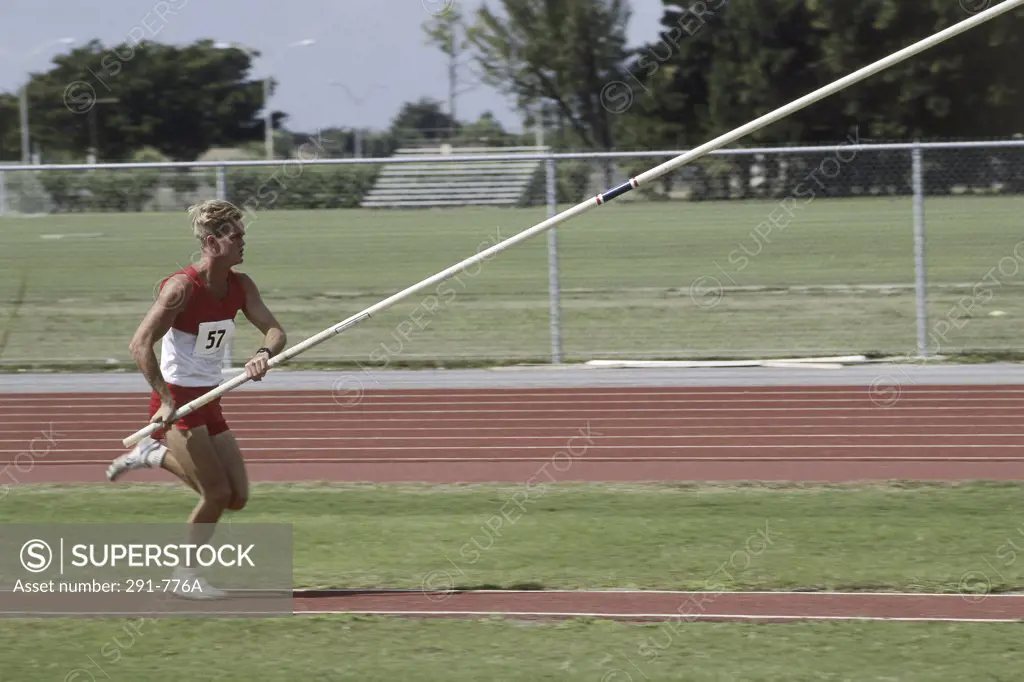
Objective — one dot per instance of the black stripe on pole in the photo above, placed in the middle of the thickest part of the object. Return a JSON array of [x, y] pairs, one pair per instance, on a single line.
[[616, 191]]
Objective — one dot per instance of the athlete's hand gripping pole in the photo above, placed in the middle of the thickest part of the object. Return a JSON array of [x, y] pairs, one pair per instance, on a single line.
[[633, 183]]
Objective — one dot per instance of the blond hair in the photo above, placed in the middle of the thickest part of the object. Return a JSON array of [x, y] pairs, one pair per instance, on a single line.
[[209, 216]]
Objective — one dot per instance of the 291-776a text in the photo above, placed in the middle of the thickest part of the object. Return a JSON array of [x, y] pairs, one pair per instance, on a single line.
[[138, 585]]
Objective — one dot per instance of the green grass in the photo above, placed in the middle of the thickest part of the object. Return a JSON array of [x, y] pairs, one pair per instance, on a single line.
[[626, 273], [868, 537], [359, 648], [886, 536]]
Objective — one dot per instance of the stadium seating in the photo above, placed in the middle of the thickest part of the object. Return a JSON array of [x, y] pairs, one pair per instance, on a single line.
[[483, 183]]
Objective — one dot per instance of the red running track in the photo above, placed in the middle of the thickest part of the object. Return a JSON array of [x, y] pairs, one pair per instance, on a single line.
[[479, 435], [560, 434]]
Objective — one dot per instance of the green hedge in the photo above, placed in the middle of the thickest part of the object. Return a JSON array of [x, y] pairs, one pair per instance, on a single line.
[[101, 189], [288, 186], [294, 186]]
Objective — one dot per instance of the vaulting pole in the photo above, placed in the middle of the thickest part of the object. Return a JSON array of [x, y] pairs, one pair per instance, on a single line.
[[632, 183]]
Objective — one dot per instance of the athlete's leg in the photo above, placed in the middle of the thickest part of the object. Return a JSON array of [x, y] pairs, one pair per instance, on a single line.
[[196, 455], [166, 454], [234, 468], [197, 459], [155, 453], [190, 455], [171, 463]]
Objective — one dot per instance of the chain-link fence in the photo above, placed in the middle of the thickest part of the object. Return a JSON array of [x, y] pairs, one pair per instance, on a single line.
[[843, 249]]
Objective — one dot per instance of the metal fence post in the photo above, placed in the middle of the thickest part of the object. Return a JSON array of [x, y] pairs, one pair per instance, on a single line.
[[3, 193], [554, 296], [919, 250], [222, 194], [222, 183]]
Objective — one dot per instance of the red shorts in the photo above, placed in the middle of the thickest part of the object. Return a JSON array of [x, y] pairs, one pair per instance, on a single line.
[[209, 415]]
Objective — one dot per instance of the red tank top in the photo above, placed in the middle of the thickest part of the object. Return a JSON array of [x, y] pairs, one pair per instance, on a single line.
[[194, 348], [202, 306]]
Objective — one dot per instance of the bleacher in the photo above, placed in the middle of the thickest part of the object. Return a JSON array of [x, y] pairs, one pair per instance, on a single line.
[[450, 183]]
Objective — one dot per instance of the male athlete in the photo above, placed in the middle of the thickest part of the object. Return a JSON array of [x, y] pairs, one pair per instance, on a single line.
[[193, 317]]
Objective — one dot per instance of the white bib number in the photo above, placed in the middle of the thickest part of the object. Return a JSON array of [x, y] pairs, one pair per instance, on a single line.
[[213, 337]]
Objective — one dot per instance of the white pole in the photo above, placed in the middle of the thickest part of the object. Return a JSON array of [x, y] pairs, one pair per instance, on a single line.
[[554, 289], [585, 206], [919, 261], [26, 153], [268, 123], [26, 150], [222, 183]]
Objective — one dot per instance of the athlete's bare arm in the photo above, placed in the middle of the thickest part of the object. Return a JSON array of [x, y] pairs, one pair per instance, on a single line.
[[257, 312], [171, 301]]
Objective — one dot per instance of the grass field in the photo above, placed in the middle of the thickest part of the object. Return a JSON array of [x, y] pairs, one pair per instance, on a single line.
[[913, 537], [363, 648], [626, 277]]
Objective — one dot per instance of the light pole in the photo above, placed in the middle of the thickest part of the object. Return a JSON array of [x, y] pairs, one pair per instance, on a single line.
[[357, 143], [268, 123], [26, 146], [26, 149]]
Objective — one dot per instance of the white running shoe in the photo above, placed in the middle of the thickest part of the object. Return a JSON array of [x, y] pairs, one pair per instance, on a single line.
[[148, 454], [190, 585]]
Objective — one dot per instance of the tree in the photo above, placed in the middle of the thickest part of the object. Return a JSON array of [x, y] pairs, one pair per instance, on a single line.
[[940, 93], [341, 142], [739, 60], [178, 100], [719, 65], [557, 52], [448, 33], [10, 128], [763, 57], [663, 94], [486, 131], [423, 119]]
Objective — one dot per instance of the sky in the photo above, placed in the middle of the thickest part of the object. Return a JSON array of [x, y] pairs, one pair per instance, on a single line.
[[368, 59]]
